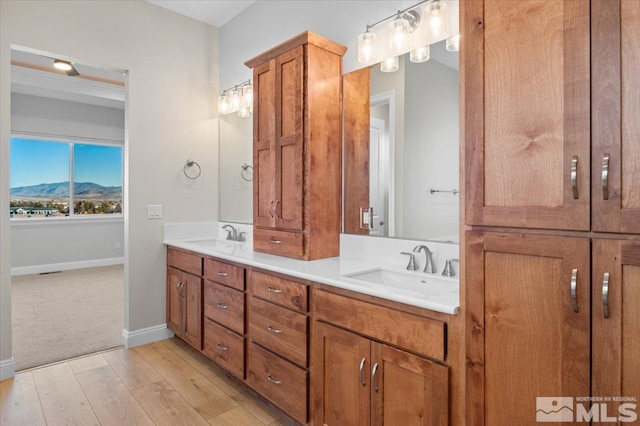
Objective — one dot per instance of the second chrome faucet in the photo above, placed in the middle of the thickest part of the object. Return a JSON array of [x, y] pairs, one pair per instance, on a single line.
[[429, 266]]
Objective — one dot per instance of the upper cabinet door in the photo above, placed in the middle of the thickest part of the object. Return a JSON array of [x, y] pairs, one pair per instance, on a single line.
[[289, 136], [525, 74], [616, 108], [264, 139]]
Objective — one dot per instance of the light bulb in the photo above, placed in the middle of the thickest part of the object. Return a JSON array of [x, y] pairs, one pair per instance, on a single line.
[[453, 43], [223, 104], [389, 64], [247, 96], [437, 23], [62, 65], [366, 47], [234, 100], [244, 112], [399, 32], [420, 54]]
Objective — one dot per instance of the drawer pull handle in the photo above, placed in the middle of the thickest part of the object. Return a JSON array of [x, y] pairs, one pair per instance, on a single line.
[[361, 373], [275, 209], [374, 371], [605, 295], [605, 177], [274, 381], [271, 207], [274, 290], [574, 290], [222, 306], [574, 176], [274, 330], [222, 274], [222, 347], [272, 241]]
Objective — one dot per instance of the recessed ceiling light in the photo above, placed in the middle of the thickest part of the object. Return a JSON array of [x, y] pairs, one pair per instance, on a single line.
[[62, 65]]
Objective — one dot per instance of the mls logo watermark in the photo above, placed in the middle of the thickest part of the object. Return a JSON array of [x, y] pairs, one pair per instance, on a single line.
[[586, 409], [554, 409]]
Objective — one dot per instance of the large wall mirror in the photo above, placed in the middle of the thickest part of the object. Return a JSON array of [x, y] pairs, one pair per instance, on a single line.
[[401, 142], [402, 149], [236, 172]]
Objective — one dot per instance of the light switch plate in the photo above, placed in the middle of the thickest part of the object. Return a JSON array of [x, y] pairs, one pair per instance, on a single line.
[[154, 211]]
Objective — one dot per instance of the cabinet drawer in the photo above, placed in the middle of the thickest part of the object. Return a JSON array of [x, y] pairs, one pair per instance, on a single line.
[[224, 347], [418, 334], [224, 273], [290, 244], [224, 305], [278, 329], [279, 381], [284, 292], [184, 261]]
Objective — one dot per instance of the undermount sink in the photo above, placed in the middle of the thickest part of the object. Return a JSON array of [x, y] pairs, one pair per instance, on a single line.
[[215, 243], [422, 286]]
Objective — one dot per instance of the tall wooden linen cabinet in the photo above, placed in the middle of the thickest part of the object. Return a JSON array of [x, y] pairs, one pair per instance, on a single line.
[[297, 137], [552, 199]]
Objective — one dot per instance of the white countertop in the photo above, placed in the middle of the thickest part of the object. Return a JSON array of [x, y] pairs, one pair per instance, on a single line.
[[330, 271]]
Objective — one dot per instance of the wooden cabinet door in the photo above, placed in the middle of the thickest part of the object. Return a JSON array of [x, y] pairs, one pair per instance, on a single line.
[[616, 323], [264, 139], [289, 73], [407, 389], [528, 337], [526, 109], [341, 372], [616, 108], [192, 302], [174, 301]]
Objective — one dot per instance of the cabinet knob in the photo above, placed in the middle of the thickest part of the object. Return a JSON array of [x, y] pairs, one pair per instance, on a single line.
[[222, 347], [374, 371], [574, 176], [605, 177], [274, 290], [361, 372], [222, 274], [574, 290], [605, 295], [222, 306]]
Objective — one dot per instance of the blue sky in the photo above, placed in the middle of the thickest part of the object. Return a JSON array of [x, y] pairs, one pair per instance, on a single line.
[[37, 161]]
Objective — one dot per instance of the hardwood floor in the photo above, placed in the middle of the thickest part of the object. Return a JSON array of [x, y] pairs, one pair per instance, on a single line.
[[162, 383]]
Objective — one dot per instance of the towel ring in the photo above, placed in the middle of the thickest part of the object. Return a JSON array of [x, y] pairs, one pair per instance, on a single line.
[[244, 168], [192, 169]]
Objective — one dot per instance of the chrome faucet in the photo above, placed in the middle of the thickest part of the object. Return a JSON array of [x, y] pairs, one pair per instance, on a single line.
[[429, 266], [448, 270], [412, 261], [233, 234]]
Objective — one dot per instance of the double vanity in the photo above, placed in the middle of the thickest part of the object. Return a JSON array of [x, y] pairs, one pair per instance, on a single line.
[[322, 340]]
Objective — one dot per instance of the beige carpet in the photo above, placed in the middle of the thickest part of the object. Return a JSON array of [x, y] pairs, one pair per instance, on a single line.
[[63, 315]]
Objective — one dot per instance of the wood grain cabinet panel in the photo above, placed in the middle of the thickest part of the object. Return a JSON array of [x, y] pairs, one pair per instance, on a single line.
[[615, 40], [224, 305], [278, 380], [224, 347], [531, 323], [362, 382], [526, 104], [184, 261], [224, 273], [280, 330], [297, 150], [287, 293], [184, 306]]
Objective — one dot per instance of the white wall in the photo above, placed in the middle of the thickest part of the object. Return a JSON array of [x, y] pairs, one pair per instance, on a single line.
[[46, 116], [172, 84], [431, 147]]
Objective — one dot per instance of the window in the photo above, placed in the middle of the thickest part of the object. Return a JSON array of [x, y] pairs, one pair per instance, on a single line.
[[56, 179]]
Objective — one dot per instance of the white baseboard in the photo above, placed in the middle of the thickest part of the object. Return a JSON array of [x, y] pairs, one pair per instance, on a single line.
[[7, 369], [52, 267], [143, 336]]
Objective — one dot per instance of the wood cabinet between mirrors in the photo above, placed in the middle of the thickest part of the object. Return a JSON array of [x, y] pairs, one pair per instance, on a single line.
[[297, 148]]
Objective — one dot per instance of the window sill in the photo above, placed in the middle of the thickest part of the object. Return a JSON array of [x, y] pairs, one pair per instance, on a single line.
[[75, 220]]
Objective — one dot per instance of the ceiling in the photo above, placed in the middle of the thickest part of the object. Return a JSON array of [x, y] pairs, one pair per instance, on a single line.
[[212, 12]]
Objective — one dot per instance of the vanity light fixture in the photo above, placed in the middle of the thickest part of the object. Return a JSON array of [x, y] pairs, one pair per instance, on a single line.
[[238, 98], [413, 30]]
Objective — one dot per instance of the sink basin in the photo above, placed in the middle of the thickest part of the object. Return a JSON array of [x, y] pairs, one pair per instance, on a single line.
[[417, 285], [213, 243]]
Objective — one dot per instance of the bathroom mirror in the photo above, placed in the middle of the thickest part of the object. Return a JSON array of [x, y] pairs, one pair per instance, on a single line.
[[236, 172], [401, 161]]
